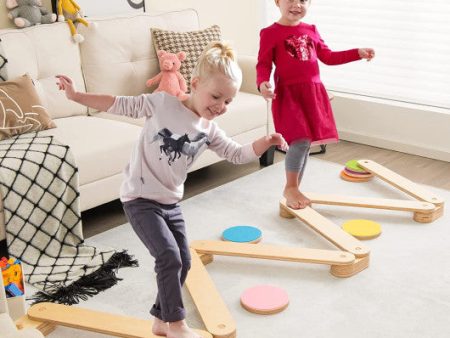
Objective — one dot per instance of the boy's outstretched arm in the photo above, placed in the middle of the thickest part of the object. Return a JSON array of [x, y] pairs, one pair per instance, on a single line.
[[97, 101], [265, 142]]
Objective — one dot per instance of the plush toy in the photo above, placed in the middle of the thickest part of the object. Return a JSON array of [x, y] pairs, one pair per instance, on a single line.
[[169, 78], [68, 10], [27, 13]]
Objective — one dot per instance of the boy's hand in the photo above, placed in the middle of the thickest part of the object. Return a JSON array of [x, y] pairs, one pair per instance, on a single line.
[[278, 140], [266, 90], [366, 53], [65, 83]]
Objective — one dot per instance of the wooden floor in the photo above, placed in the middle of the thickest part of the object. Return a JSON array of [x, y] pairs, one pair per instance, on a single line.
[[418, 169]]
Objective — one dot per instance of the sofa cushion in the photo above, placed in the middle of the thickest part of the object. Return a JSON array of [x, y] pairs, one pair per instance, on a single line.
[[246, 112], [192, 43], [21, 110], [101, 147], [44, 51], [118, 55]]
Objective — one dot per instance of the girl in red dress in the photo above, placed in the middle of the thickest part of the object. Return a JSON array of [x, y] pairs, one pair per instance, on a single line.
[[300, 105]]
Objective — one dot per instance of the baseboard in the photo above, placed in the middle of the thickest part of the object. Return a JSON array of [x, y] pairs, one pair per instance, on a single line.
[[393, 145], [412, 129]]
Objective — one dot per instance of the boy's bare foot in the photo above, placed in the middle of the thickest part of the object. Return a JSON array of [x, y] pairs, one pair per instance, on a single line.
[[160, 328], [295, 199], [180, 329]]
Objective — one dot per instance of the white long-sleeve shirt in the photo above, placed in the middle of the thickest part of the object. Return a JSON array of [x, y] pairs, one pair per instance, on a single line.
[[172, 138]]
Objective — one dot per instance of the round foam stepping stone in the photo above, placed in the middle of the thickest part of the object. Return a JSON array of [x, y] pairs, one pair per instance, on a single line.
[[362, 228], [264, 299], [346, 177], [354, 166], [357, 175], [357, 172], [242, 234]]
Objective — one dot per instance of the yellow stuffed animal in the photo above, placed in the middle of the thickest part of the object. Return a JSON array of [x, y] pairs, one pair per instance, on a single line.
[[68, 10]]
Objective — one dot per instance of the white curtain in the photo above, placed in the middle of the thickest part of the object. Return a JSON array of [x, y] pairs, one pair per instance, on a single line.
[[411, 39]]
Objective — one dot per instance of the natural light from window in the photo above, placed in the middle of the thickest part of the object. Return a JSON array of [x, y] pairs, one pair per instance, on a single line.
[[411, 39]]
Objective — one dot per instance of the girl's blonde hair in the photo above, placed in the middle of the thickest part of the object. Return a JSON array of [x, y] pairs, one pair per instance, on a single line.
[[218, 56]]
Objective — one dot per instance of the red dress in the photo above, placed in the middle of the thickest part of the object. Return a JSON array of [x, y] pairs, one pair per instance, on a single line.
[[301, 109]]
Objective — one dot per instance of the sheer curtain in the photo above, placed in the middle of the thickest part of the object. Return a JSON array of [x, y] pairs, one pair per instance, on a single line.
[[411, 39]]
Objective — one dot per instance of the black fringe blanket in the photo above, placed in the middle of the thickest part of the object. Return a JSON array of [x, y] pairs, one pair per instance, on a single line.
[[39, 188]]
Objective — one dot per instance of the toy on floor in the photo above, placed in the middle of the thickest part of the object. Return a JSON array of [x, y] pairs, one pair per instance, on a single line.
[[426, 208], [12, 277], [362, 228], [90, 320], [354, 173], [9, 329], [70, 11], [264, 299], [169, 78], [206, 297], [25, 13], [242, 234]]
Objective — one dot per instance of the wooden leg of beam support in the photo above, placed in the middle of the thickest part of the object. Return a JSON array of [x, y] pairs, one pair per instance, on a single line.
[[285, 214], [428, 217], [343, 271], [25, 322], [206, 259]]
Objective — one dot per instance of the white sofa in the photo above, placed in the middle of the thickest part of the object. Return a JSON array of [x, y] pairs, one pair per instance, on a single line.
[[117, 57]]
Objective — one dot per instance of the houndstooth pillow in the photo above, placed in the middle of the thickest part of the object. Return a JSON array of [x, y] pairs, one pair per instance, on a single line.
[[192, 43]]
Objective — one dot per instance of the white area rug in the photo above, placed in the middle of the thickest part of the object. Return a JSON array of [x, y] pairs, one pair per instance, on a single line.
[[405, 292]]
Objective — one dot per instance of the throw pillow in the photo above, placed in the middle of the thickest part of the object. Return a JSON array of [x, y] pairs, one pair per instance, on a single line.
[[192, 43], [21, 110]]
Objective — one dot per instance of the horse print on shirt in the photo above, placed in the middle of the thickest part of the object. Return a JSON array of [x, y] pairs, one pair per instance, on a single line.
[[299, 47], [173, 145]]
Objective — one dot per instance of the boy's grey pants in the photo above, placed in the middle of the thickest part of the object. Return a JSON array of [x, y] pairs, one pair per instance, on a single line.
[[161, 228]]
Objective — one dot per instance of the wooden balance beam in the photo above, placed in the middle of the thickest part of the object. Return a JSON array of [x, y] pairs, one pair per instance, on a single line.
[[343, 264], [422, 210], [90, 320], [407, 187], [210, 305], [326, 228]]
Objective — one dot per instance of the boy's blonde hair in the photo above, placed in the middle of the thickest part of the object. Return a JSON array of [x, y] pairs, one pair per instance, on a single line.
[[218, 56]]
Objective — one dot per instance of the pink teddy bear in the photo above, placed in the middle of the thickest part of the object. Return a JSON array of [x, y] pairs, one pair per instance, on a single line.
[[170, 79]]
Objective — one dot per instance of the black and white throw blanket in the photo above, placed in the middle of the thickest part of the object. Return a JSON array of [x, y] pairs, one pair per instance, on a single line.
[[39, 188]]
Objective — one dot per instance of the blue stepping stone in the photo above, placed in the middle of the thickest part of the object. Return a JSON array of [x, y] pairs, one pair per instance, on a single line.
[[242, 234]]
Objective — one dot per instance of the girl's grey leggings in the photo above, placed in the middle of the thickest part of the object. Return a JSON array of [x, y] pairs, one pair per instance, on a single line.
[[297, 156], [162, 230]]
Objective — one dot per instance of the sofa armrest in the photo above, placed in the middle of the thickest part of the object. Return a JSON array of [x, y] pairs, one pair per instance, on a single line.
[[248, 66]]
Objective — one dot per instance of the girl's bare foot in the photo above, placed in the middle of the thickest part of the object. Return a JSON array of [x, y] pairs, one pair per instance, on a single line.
[[295, 199], [160, 328], [180, 330]]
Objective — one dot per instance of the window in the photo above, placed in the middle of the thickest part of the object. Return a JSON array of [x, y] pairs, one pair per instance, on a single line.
[[411, 39]]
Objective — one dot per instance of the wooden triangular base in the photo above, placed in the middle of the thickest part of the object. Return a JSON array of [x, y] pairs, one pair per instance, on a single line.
[[219, 322], [426, 209]]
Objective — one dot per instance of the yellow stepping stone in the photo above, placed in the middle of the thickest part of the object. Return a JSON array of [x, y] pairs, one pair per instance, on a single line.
[[362, 228]]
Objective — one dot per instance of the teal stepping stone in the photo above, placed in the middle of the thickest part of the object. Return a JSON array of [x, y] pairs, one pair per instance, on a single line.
[[242, 234]]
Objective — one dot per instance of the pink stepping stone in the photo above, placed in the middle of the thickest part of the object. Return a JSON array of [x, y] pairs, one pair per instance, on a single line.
[[264, 299]]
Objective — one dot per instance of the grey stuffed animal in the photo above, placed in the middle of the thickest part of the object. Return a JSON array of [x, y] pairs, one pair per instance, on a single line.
[[28, 13]]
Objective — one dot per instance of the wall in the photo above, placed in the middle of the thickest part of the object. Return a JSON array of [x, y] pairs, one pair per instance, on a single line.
[[407, 128], [237, 26], [240, 20]]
